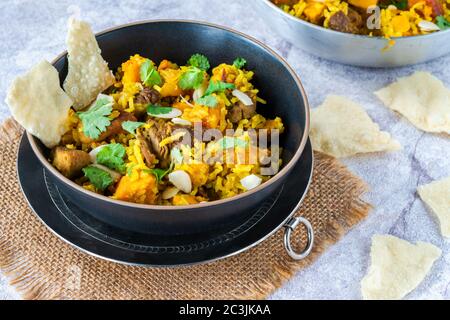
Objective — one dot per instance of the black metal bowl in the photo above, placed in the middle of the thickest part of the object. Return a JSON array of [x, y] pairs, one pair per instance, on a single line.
[[177, 41]]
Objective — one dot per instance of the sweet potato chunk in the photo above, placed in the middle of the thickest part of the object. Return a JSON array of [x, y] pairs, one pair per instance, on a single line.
[[363, 4], [142, 189], [70, 162], [184, 199], [436, 5]]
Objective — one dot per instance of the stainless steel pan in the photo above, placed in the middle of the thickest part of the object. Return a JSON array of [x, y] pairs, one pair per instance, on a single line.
[[352, 49]]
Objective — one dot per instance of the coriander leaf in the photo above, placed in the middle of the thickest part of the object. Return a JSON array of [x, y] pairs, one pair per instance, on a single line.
[[149, 75], [442, 23], [130, 169], [95, 120], [192, 78], [98, 177], [231, 142], [216, 86], [158, 173], [239, 63], [401, 4], [131, 126], [200, 61], [155, 110], [176, 156], [209, 101], [112, 157]]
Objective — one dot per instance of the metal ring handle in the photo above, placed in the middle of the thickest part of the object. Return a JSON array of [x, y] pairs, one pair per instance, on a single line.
[[290, 226]]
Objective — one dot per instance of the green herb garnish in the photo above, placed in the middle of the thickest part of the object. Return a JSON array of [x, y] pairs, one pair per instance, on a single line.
[[199, 61], [217, 86], [209, 101], [176, 156], [158, 173], [131, 126], [149, 75], [442, 23], [156, 110], [239, 63], [98, 177], [130, 169], [192, 78], [214, 86], [231, 142], [95, 120], [401, 4], [112, 157]]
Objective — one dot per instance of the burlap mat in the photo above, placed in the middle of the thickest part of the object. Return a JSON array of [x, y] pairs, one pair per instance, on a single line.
[[41, 266]]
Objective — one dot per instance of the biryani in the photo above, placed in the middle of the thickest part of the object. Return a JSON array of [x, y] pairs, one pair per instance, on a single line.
[[153, 132], [384, 18], [136, 142]]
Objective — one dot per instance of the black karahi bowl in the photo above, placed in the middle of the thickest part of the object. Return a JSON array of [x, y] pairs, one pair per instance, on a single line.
[[177, 41]]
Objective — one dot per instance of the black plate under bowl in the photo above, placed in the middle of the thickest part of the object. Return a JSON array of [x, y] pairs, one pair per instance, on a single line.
[[97, 238]]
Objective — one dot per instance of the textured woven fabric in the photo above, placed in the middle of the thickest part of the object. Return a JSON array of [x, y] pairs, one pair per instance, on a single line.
[[41, 266]]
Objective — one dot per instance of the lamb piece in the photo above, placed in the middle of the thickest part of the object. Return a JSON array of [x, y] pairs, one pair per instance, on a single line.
[[234, 114], [351, 23], [247, 111], [190, 135], [148, 96], [114, 128], [149, 157], [116, 125], [152, 137], [70, 162], [240, 111], [356, 18]]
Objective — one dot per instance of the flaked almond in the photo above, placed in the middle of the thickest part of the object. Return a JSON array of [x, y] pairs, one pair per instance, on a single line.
[[245, 99], [429, 26], [169, 193], [181, 122], [114, 174], [181, 180], [251, 182]]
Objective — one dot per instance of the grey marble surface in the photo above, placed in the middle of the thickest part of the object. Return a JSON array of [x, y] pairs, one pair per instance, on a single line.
[[35, 30]]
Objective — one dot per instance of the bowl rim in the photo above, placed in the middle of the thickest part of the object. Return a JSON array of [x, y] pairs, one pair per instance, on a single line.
[[285, 170], [271, 5]]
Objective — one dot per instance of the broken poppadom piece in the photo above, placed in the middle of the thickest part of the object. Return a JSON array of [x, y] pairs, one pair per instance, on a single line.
[[89, 74]]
